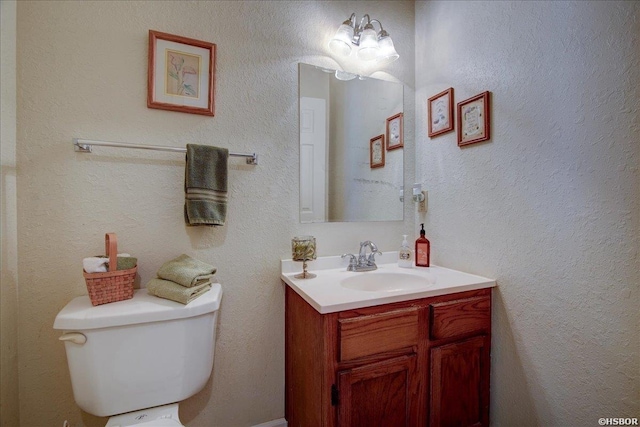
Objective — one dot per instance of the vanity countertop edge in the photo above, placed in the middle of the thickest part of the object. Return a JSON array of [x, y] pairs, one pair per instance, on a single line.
[[326, 295]]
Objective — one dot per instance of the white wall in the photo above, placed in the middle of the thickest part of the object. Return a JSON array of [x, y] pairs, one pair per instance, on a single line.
[[8, 220], [549, 207], [82, 72]]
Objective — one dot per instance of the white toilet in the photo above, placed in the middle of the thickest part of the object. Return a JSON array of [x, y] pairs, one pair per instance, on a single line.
[[138, 358]]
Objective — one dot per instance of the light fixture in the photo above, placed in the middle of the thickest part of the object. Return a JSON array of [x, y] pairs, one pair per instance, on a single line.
[[371, 46]]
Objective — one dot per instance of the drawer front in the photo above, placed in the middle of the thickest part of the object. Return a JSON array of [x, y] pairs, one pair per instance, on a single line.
[[454, 318], [377, 333]]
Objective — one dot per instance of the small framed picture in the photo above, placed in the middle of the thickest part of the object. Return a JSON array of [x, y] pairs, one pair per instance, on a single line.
[[376, 152], [440, 112], [181, 74], [395, 132], [474, 120]]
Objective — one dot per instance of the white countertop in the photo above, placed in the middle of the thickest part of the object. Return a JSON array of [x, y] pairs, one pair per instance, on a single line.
[[326, 294]]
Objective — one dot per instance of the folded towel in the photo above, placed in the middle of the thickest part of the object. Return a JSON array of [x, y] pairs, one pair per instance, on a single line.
[[99, 264], [205, 185], [95, 264], [186, 271], [169, 290], [126, 262]]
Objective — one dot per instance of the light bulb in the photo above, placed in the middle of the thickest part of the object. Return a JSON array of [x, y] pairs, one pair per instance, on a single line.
[[387, 52], [368, 44], [341, 43]]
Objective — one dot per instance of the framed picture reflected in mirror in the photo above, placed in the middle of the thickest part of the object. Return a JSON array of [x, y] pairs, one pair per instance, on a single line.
[[395, 132], [376, 152]]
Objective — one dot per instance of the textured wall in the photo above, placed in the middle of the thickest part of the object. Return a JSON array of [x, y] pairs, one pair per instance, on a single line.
[[82, 70], [8, 221], [549, 207]]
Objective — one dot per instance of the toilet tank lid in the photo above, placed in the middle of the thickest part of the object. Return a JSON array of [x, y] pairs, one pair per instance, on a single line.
[[79, 314]]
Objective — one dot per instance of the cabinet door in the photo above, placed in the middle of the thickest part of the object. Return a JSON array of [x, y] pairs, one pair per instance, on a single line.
[[460, 384], [379, 395]]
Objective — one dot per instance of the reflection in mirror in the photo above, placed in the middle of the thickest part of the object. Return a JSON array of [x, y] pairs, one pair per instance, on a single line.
[[340, 115]]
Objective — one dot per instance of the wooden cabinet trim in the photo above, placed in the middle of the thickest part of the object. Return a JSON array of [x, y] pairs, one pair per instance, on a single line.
[[416, 303], [440, 400], [307, 399], [349, 378], [459, 317], [377, 333]]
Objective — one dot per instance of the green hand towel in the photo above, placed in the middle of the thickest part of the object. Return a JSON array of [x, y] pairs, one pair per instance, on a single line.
[[186, 271], [170, 290], [205, 185], [126, 262]]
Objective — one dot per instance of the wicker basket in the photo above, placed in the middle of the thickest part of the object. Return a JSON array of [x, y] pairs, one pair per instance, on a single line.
[[114, 285]]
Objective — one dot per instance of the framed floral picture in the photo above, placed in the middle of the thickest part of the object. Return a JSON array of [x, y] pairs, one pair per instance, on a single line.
[[395, 133], [440, 112], [474, 120], [376, 151], [181, 74]]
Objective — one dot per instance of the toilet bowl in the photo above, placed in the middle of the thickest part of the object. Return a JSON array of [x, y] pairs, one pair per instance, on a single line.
[[134, 360]]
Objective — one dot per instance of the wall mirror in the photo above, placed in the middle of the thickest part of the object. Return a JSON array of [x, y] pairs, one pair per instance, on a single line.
[[351, 147]]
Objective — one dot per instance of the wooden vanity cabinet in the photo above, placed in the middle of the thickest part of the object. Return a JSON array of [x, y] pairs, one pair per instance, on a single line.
[[422, 362]]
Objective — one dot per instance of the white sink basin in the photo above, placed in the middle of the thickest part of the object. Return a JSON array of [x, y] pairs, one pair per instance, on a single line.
[[387, 282], [335, 289]]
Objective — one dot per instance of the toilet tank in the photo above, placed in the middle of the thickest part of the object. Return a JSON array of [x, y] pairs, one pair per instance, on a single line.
[[139, 353]]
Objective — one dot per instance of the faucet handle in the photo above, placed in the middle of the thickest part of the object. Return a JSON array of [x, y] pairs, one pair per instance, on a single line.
[[372, 257], [352, 258], [353, 261]]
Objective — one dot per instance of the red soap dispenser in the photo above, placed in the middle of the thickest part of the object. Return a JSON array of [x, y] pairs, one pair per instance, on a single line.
[[423, 249]]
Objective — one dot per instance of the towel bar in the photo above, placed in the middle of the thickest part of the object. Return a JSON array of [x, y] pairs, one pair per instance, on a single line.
[[84, 146]]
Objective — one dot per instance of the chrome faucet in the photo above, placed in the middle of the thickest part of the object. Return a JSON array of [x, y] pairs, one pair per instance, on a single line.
[[363, 263]]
